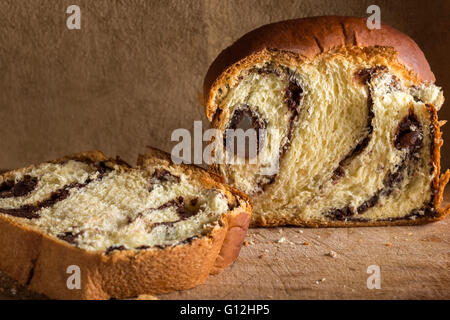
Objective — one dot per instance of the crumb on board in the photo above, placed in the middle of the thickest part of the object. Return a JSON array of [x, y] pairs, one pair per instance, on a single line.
[[246, 243], [261, 256], [388, 244], [332, 254], [306, 243], [320, 281], [282, 240]]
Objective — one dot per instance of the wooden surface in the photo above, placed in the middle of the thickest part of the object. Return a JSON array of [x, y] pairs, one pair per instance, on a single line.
[[295, 263]]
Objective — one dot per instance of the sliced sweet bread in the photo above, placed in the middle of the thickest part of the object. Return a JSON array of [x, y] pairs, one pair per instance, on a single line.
[[350, 124], [147, 230]]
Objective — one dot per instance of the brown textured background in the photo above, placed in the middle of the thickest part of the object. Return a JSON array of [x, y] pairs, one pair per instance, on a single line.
[[133, 72]]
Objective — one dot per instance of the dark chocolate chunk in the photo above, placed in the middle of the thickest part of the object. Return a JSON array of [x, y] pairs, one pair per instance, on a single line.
[[25, 211], [161, 176], [245, 117], [193, 202], [9, 189], [6, 189], [183, 212], [293, 95], [341, 214], [189, 240], [266, 70], [366, 75], [144, 247], [409, 133], [69, 236], [30, 211], [114, 248], [368, 204], [338, 173]]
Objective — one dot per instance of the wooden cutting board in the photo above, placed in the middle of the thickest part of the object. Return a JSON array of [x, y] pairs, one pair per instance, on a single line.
[[302, 263]]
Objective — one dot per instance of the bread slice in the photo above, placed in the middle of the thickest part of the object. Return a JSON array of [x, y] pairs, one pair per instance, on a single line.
[[350, 119], [147, 230]]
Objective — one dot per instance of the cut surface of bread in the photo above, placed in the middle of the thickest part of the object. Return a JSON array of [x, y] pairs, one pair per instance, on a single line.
[[350, 127], [105, 210]]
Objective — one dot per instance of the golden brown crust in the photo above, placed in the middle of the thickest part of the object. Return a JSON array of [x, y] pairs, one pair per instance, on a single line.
[[439, 181], [40, 261], [309, 37]]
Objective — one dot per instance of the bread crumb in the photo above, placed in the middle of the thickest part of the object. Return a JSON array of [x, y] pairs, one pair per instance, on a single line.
[[410, 233], [282, 240], [321, 280], [306, 243], [300, 231], [248, 242], [332, 254], [261, 256], [388, 244]]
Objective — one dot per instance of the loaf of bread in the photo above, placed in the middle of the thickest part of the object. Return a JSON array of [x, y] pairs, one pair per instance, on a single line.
[[147, 230], [350, 124]]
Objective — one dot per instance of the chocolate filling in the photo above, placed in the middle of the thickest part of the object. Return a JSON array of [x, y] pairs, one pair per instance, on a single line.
[[69, 236], [161, 176], [366, 76], [9, 189], [164, 246], [182, 211], [409, 133], [241, 113], [293, 96], [409, 136], [114, 248], [30, 211], [143, 247]]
